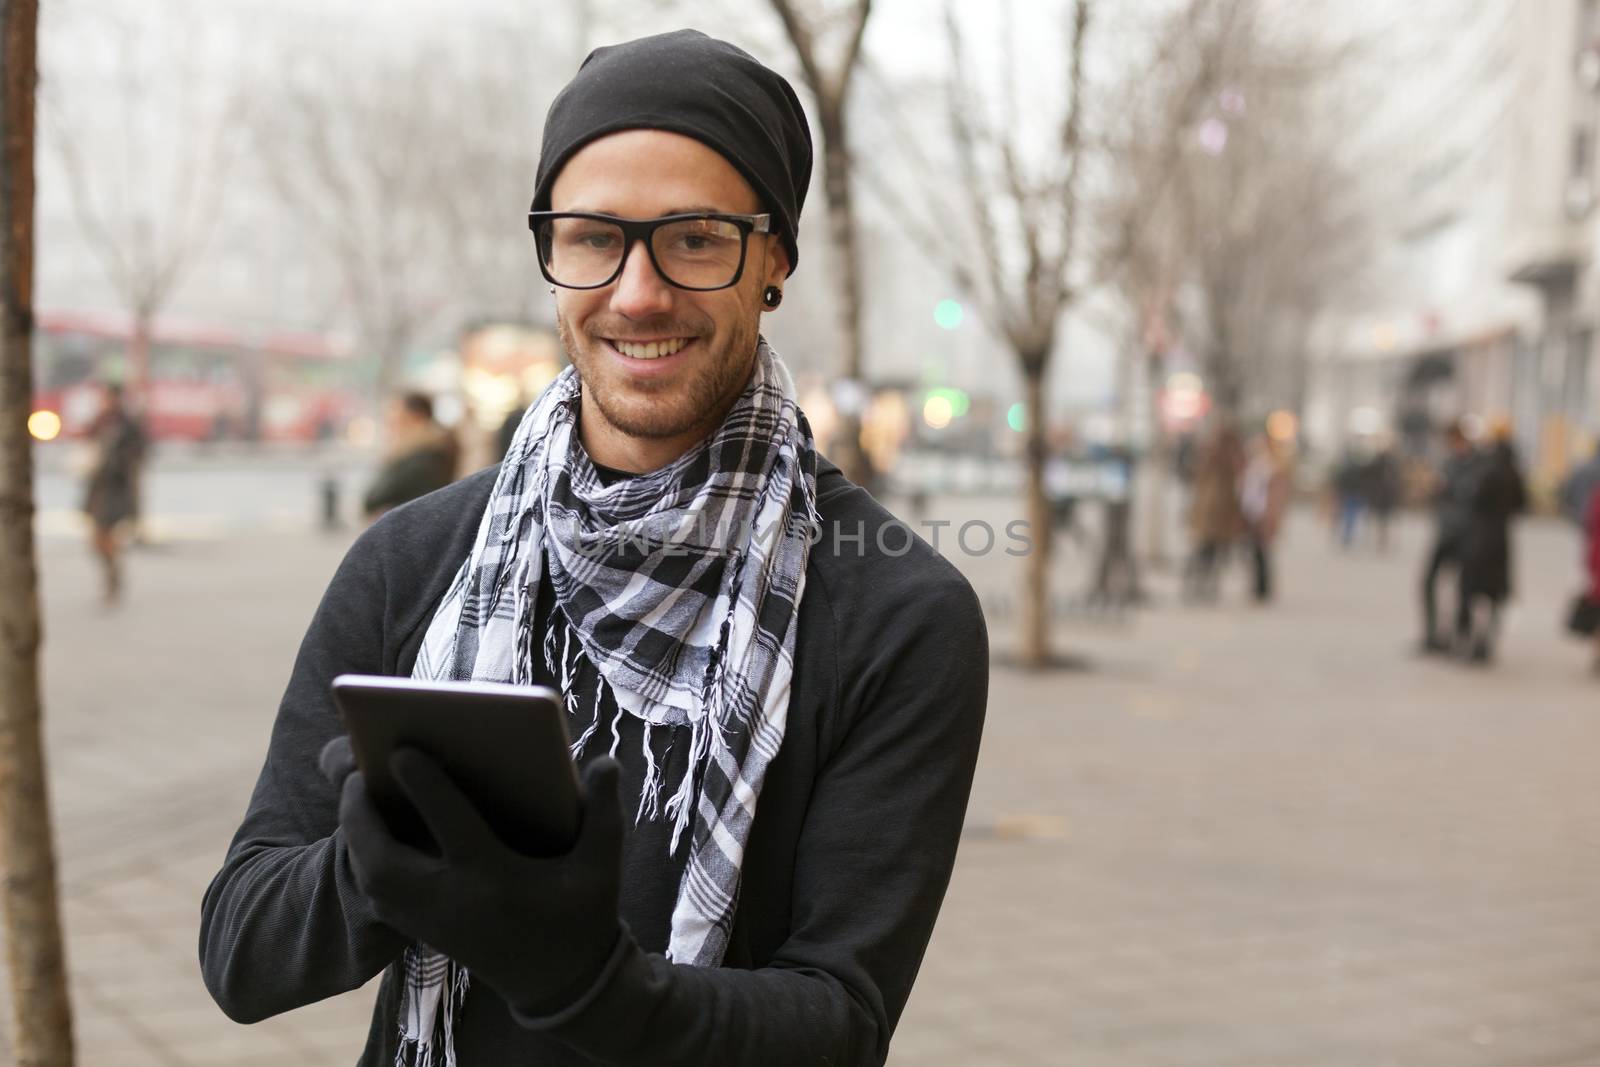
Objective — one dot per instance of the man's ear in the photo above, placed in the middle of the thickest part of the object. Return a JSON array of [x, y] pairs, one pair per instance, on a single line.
[[777, 262]]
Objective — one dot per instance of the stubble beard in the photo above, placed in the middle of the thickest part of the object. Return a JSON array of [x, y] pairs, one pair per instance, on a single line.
[[699, 401]]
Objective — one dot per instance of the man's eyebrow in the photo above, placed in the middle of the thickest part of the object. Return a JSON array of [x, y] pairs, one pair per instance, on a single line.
[[692, 209]]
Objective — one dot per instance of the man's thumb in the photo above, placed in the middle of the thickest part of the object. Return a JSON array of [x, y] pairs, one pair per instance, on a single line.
[[602, 806]]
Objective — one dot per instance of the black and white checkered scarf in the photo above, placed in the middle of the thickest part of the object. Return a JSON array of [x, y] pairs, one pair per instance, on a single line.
[[682, 588]]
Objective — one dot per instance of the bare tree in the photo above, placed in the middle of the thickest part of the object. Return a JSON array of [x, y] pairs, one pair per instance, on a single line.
[[41, 1010], [342, 152], [1025, 214], [1034, 232], [173, 149], [807, 26], [1264, 221], [1164, 99], [1239, 220], [401, 172], [1270, 220]]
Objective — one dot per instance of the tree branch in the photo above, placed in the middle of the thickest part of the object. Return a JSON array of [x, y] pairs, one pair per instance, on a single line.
[[804, 48], [1003, 313], [852, 51]]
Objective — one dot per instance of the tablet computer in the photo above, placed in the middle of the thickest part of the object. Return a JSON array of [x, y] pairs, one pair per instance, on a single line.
[[505, 746]]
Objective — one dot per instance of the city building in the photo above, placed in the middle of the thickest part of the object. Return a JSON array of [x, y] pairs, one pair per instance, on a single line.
[[1483, 303]]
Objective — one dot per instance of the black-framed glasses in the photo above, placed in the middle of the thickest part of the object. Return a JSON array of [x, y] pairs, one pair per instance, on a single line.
[[580, 250]]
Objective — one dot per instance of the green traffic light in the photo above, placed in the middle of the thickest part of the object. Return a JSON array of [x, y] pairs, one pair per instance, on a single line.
[[947, 314]]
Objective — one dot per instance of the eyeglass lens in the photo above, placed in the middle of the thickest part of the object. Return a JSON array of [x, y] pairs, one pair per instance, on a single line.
[[693, 253]]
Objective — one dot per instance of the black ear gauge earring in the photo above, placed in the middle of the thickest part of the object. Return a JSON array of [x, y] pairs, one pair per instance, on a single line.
[[771, 296]]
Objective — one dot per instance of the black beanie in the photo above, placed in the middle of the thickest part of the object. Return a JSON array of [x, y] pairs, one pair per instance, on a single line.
[[688, 83]]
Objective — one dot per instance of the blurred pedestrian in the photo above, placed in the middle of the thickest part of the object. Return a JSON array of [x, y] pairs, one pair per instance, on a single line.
[[1381, 491], [1452, 509], [1498, 494], [1116, 581], [1580, 502], [1215, 522], [111, 490], [1349, 495], [1063, 493], [1593, 526], [1583, 615], [1263, 497], [1578, 488], [421, 457]]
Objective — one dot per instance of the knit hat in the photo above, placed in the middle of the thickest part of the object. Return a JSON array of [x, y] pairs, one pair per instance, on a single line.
[[685, 82]]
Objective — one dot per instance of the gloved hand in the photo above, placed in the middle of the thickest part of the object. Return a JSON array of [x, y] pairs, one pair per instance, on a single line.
[[336, 760], [536, 929]]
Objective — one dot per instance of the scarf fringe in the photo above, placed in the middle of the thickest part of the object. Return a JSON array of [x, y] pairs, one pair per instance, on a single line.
[[437, 1048], [650, 795]]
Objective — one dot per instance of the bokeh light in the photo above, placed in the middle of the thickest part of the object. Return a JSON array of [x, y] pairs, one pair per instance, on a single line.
[[960, 403], [44, 425], [1017, 417], [1282, 426]]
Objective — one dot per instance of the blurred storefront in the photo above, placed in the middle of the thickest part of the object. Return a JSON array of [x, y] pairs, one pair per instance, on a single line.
[[1486, 299], [498, 369], [1552, 244]]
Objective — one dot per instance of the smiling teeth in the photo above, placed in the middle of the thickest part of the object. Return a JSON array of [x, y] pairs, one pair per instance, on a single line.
[[653, 350]]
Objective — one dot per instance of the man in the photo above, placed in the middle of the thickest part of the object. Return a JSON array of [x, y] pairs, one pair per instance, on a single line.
[[835, 690], [1350, 486], [421, 456], [1498, 495], [1383, 490], [111, 491], [1452, 503]]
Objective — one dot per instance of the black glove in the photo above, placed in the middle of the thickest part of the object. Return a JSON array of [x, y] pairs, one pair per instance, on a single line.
[[336, 761], [537, 929]]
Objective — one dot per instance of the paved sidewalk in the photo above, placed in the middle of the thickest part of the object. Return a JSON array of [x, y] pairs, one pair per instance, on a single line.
[[1243, 836]]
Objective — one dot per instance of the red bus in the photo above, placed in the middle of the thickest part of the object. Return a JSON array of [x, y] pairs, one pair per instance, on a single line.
[[204, 383]]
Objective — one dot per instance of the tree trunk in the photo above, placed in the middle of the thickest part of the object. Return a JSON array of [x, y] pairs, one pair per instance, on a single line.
[[1035, 651], [41, 1015], [836, 167], [138, 373]]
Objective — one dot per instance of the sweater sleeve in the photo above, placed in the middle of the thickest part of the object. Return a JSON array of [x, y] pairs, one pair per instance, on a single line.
[[283, 924], [873, 861]]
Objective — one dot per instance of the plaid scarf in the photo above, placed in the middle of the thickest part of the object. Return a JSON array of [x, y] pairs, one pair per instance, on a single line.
[[681, 587]]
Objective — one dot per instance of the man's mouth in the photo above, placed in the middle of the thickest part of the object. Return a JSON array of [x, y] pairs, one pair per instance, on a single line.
[[649, 349]]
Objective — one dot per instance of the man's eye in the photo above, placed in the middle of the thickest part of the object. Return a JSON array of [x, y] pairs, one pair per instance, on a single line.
[[599, 241], [701, 239]]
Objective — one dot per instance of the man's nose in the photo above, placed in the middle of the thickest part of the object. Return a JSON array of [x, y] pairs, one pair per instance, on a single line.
[[640, 291]]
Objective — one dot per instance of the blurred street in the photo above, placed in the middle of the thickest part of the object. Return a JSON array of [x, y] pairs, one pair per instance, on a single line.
[[1237, 836], [1198, 283]]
